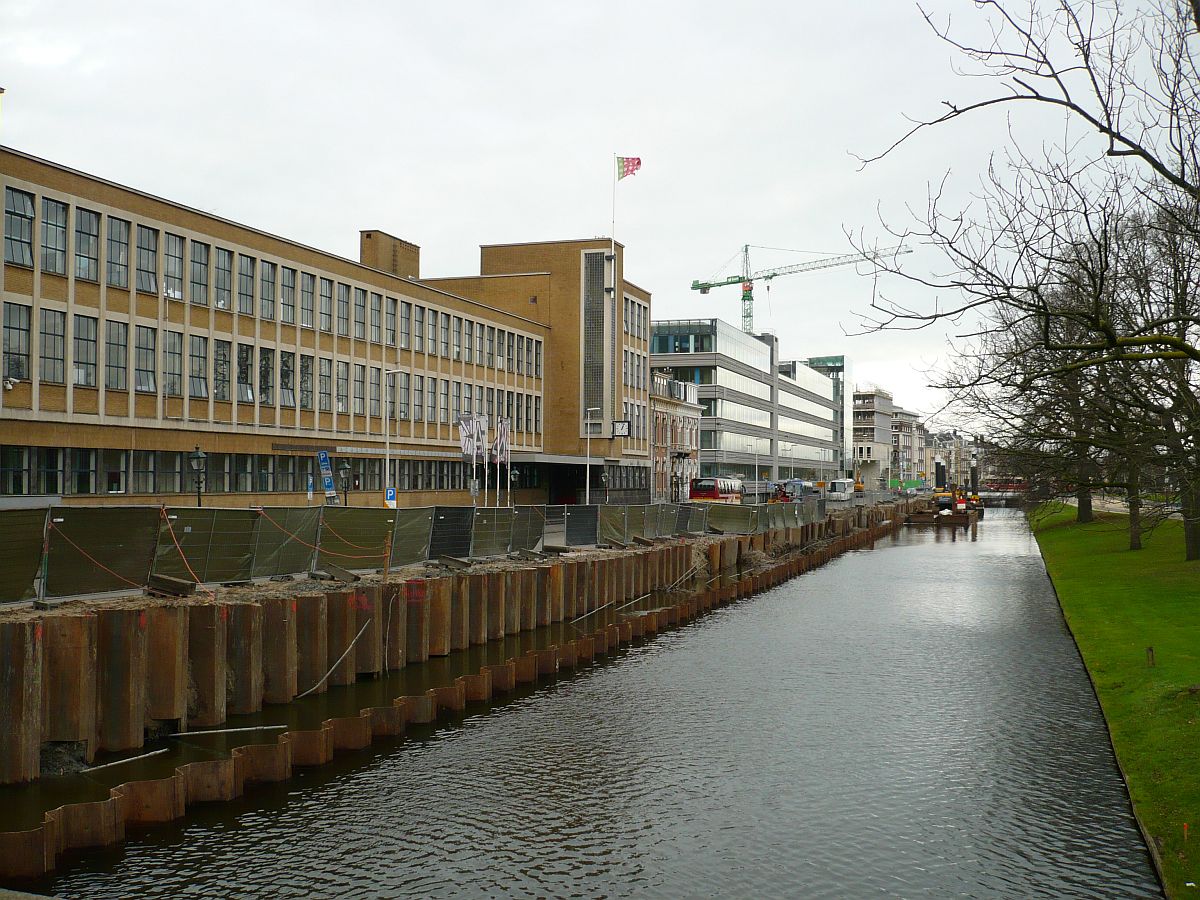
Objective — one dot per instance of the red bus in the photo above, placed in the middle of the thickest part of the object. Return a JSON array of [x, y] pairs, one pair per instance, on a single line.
[[716, 490]]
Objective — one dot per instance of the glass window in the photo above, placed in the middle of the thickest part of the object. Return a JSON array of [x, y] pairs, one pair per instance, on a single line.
[[528, 356], [116, 351], [389, 327], [419, 329], [222, 351], [418, 398], [117, 263], [266, 376], [431, 343], [479, 343], [84, 350], [520, 354], [402, 394], [224, 282], [198, 367], [491, 345], [446, 335], [173, 267], [54, 236], [376, 313], [326, 305], [144, 359], [82, 472], [405, 323], [431, 400], [343, 309], [87, 245], [147, 259], [308, 284], [173, 364], [306, 381], [246, 285], [457, 345], [360, 389], [500, 348], [266, 290], [199, 283], [376, 374], [287, 296], [245, 373], [445, 398], [16, 340], [510, 351], [54, 329], [537, 414], [468, 339], [325, 384], [343, 387], [456, 401], [18, 227], [537, 359], [287, 376]]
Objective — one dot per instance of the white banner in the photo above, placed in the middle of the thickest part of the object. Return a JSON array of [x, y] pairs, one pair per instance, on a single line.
[[466, 437], [500, 445], [480, 426]]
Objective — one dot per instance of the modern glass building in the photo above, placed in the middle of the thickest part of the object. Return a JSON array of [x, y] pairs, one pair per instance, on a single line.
[[761, 419]]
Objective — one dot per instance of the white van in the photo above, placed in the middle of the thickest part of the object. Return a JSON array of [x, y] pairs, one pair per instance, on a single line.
[[839, 489]]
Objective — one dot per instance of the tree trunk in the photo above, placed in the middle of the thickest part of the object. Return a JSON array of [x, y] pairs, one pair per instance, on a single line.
[[1083, 505], [1135, 507], [1188, 504]]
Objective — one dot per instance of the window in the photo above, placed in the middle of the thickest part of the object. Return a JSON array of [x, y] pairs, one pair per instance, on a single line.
[[537, 414], [222, 351], [308, 284], [54, 236], [173, 267], [145, 351], [266, 376], [520, 417], [491, 345], [360, 389], [287, 296], [84, 350], [326, 305], [431, 400], [418, 398], [325, 384], [389, 327], [87, 245], [198, 367], [468, 339], [520, 354], [18, 227], [509, 351], [306, 382], [405, 323], [266, 290], [199, 284], [376, 374], [147, 259], [116, 351], [376, 313], [491, 402], [343, 387], [117, 264], [246, 285], [287, 378], [446, 335], [173, 364], [16, 340], [479, 343], [245, 373], [432, 320], [500, 348], [456, 401], [528, 356], [445, 404], [343, 309], [54, 327], [537, 359], [467, 405], [457, 338], [402, 390], [82, 472], [224, 282], [625, 319], [419, 328]]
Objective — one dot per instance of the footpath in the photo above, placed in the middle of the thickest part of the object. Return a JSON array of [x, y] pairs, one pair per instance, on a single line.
[[1135, 616]]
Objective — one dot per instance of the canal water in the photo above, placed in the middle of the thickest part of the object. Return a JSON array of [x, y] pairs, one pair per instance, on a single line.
[[908, 721]]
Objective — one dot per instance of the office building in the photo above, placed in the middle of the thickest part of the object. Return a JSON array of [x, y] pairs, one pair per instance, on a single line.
[[872, 436]]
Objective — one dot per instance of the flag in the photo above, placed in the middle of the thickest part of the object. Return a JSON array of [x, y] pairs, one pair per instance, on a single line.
[[479, 427], [466, 436], [500, 444], [627, 165]]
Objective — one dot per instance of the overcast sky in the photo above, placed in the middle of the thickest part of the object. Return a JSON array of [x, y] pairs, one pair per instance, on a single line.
[[460, 123]]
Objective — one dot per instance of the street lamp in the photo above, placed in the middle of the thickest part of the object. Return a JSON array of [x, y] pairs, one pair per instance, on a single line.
[[513, 476], [344, 471], [587, 469], [604, 483], [197, 459]]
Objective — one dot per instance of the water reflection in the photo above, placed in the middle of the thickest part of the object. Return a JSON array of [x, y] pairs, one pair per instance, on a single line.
[[913, 720]]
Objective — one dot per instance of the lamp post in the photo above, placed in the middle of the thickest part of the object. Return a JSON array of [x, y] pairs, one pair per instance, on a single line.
[[197, 459], [513, 476], [344, 471], [604, 483], [587, 469], [389, 414]]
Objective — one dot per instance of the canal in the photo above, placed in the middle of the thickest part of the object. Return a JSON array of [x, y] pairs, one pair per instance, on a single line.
[[912, 720]]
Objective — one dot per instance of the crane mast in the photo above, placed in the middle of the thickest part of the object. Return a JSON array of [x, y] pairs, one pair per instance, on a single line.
[[748, 277]]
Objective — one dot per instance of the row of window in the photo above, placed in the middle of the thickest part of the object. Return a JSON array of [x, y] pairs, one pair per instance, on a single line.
[[281, 375], [635, 414], [57, 471], [635, 370], [374, 317], [637, 319]]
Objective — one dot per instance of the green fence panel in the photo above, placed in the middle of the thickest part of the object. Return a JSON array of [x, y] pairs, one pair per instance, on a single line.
[[635, 522], [206, 545], [411, 534], [355, 539], [101, 548], [612, 524], [492, 530], [20, 551], [529, 528], [286, 540], [731, 518]]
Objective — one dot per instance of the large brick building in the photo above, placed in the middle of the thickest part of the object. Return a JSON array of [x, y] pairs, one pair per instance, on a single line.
[[136, 329]]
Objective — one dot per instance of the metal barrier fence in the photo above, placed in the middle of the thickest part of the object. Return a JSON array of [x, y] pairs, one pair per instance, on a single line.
[[67, 551]]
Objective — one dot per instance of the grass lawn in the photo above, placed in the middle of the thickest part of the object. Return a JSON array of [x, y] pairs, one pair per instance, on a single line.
[[1119, 602]]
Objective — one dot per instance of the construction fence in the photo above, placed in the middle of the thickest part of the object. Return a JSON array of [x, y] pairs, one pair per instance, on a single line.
[[69, 551]]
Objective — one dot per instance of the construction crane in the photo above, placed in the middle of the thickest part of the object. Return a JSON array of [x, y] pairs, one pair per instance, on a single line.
[[747, 278]]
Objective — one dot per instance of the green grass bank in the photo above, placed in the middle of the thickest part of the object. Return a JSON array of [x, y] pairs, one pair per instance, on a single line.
[[1118, 603]]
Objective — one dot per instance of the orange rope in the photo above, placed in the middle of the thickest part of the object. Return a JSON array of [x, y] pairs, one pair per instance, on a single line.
[[325, 525], [183, 556], [327, 552]]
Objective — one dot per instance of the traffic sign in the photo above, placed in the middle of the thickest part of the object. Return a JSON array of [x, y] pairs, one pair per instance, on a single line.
[[389, 498]]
